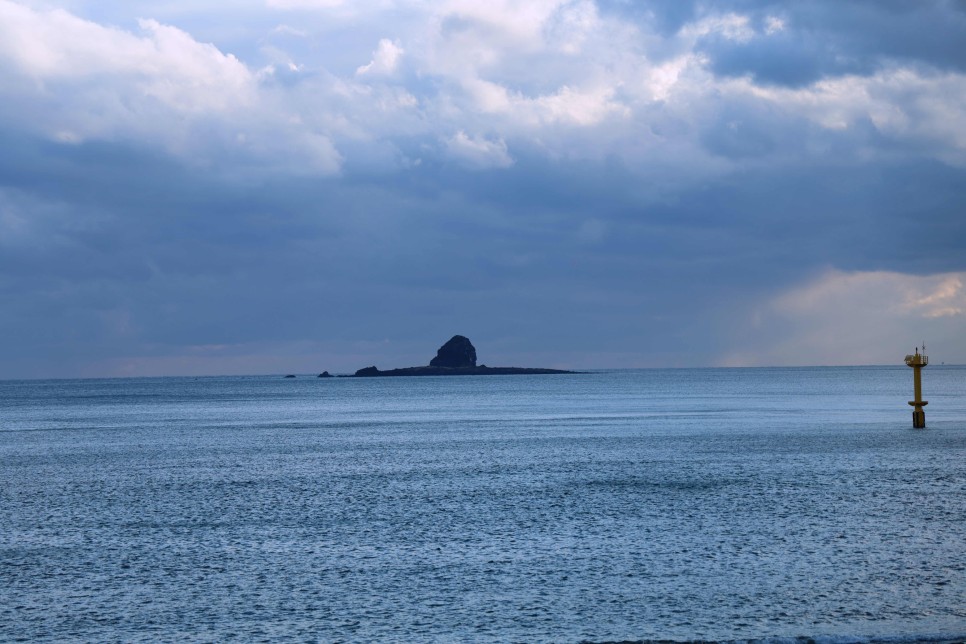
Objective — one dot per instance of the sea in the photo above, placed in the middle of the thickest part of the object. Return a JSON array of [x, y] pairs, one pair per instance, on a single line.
[[660, 505]]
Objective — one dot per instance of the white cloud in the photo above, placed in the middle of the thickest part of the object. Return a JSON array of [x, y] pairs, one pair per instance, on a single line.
[[940, 296], [304, 4], [731, 26], [479, 152], [160, 86], [567, 105], [773, 25], [660, 80], [904, 103], [573, 27], [488, 96], [879, 293], [188, 75], [532, 74], [855, 318], [286, 30], [384, 59], [56, 47], [579, 107], [520, 24]]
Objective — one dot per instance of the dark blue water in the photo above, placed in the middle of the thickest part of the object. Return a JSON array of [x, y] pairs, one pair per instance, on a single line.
[[712, 504]]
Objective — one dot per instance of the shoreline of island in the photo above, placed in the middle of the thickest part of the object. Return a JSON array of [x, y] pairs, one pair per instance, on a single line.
[[457, 357], [482, 370]]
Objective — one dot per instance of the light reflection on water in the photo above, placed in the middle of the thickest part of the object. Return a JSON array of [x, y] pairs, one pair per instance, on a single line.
[[685, 504]]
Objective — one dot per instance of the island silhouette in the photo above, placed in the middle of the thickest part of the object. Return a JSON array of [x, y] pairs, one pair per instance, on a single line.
[[455, 358]]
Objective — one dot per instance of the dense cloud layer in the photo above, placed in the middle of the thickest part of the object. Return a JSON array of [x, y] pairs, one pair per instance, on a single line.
[[298, 185]]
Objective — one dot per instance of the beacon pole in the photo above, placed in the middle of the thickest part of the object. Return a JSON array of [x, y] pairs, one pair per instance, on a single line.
[[917, 361]]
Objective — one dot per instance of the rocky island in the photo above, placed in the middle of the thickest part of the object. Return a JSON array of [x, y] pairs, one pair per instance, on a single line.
[[455, 358]]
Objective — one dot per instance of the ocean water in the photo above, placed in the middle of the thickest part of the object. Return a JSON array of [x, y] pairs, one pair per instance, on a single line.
[[707, 504]]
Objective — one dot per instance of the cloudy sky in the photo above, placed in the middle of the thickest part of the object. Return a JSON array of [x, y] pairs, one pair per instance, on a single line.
[[268, 186]]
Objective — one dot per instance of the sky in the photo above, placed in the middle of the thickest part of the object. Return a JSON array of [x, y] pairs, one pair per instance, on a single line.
[[292, 186]]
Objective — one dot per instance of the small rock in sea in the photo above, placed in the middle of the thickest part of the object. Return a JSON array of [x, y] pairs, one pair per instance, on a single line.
[[324, 374], [290, 376]]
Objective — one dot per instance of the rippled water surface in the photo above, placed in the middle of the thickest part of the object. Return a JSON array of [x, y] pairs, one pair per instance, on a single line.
[[634, 505]]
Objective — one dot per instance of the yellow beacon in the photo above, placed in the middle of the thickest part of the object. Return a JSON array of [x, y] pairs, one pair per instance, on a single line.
[[917, 361]]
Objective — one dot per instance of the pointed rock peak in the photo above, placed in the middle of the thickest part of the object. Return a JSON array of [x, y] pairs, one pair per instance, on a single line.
[[457, 353]]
